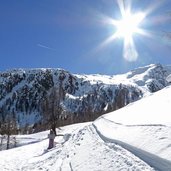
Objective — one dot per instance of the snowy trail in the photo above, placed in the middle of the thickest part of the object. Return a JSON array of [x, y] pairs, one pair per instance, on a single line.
[[154, 161], [87, 151], [26, 156], [82, 150]]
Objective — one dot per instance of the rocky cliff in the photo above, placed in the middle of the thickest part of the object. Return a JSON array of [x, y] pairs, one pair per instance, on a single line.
[[82, 97]]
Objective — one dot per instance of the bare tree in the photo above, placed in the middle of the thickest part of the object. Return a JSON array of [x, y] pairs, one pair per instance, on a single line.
[[52, 108], [8, 128]]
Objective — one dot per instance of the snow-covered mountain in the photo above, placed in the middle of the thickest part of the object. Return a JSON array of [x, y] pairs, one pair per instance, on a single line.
[[136, 138], [84, 97]]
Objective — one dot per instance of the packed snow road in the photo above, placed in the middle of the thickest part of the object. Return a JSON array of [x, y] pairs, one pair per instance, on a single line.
[[81, 150]]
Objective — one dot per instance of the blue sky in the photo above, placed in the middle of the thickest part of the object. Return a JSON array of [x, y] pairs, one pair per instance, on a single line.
[[67, 34]]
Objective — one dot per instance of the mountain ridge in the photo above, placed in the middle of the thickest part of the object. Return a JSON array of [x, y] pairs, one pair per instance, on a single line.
[[84, 97]]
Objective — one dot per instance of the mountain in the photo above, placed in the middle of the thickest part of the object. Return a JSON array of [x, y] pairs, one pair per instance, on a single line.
[[136, 138], [80, 97]]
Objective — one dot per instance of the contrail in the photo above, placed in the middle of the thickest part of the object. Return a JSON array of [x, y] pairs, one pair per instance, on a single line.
[[46, 47]]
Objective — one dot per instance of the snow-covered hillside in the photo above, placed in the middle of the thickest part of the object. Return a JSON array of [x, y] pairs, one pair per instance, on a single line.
[[84, 97], [146, 125], [121, 140], [83, 150]]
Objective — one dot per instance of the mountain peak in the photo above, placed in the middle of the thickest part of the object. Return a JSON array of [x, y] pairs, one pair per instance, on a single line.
[[83, 97]]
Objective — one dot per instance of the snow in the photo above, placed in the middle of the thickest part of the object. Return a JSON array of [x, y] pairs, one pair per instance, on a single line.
[[169, 78], [153, 109], [136, 138], [27, 156], [82, 150], [149, 143], [143, 127]]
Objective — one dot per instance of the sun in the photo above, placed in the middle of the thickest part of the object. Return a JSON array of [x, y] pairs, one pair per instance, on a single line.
[[128, 25], [125, 29]]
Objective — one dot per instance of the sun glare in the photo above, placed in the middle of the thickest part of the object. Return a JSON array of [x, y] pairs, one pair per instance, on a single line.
[[128, 25], [125, 28]]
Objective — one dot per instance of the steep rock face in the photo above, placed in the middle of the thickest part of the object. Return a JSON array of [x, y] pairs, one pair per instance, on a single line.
[[84, 97], [151, 77]]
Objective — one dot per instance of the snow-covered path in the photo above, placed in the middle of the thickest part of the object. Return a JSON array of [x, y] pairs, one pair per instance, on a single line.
[[33, 151], [152, 159], [89, 152], [82, 150]]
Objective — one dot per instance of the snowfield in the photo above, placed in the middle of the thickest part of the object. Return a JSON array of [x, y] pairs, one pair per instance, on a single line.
[[82, 150], [134, 138]]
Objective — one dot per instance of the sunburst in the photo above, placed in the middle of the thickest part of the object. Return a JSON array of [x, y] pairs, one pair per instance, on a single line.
[[126, 27], [131, 23]]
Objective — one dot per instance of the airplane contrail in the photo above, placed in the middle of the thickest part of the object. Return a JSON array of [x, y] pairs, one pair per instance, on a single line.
[[46, 47]]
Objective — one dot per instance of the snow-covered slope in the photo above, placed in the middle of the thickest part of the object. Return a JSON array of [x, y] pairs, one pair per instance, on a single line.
[[83, 150], [84, 97], [116, 141], [153, 109], [145, 124]]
